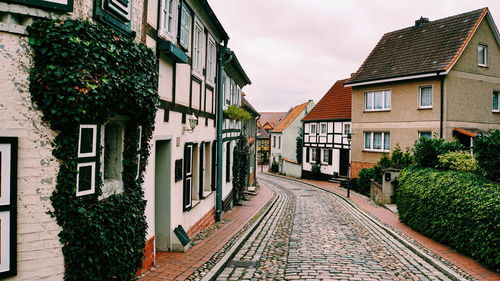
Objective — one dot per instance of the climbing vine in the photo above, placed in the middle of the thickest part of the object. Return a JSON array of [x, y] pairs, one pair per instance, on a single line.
[[241, 164], [86, 74]]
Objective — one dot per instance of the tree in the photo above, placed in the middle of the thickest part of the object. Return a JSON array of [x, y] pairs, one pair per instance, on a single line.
[[299, 142], [241, 165]]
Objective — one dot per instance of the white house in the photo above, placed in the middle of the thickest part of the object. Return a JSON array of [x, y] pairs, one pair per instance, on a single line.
[[284, 139], [189, 39], [29, 171], [234, 79], [327, 130]]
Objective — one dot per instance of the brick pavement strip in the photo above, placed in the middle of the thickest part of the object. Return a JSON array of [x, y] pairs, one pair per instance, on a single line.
[[315, 235]]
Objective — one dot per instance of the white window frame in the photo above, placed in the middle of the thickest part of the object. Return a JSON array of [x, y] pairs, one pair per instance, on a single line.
[[274, 141], [94, 141], [323, 150], [421, 134], [168, 14], [321, 126], [383, 149], [92, 181], [312, 155], [347, 128], [485, 55], [313, 129], [420, 96], [198, 36], [185, 42], [211, 60], [497, 94], [372, 103]]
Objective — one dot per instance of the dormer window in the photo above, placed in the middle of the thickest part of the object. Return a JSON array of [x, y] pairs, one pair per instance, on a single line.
[[482, 55]]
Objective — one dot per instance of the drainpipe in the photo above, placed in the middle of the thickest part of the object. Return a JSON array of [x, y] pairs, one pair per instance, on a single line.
[[441, 113], [218, 189]]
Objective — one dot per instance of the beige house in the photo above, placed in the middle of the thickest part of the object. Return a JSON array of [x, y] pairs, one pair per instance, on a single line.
[[436, 78]]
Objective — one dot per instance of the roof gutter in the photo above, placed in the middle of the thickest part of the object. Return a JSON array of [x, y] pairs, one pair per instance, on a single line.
[[432, 74]]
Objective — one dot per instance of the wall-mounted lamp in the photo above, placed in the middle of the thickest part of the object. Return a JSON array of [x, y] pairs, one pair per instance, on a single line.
[[193, 122]]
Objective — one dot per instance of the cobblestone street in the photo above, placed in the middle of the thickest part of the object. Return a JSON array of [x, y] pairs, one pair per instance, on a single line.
[[310, 234]]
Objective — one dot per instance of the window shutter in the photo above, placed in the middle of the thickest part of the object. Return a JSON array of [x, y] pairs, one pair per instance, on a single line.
[[120, 8], [8, 209], [185, 27], [330, 154], [187, 177], [214, 165], [201, 185], [307, 154], [139, 131], [87, 159]]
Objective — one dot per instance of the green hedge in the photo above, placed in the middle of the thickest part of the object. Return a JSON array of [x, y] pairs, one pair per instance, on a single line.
[[461, 210]]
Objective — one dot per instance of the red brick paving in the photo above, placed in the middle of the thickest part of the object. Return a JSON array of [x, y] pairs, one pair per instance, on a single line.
[[463, 262], [178, 266]]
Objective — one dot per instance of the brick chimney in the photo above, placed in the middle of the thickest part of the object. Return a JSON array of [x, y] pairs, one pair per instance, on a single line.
[[421, 22]]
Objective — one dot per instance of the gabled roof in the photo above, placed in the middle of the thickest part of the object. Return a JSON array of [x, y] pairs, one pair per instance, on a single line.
[[214, 19], [270, 118], [335, 104], [290, 117], [429, 49]]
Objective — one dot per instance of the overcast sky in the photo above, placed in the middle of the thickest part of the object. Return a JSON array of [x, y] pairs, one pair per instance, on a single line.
[[294, 50]]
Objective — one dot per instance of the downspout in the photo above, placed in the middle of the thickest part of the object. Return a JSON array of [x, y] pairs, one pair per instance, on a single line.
[[441, 113], [219, 116]]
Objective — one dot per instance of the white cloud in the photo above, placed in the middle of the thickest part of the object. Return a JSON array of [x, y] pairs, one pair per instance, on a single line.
[[294, 50]]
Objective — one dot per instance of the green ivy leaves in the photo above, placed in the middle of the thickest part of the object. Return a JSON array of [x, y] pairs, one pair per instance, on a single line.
[[85, 73]]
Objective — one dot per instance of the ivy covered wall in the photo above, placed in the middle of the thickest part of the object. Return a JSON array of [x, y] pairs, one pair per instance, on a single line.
[[86, 74]]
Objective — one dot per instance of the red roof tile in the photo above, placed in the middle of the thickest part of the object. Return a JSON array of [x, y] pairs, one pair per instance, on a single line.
[[335, 104], [290, 117], [272, 118]]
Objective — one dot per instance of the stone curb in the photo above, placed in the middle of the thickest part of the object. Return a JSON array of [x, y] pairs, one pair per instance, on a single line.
[[219, 266], [450, 273]]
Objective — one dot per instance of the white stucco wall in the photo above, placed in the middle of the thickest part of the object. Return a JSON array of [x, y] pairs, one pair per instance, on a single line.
[[38, 248]]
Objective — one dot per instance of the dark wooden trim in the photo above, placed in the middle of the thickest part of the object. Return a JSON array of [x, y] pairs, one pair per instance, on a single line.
[[45, 4], [12, 207], [151, 32], [174, 81], [167, 105]]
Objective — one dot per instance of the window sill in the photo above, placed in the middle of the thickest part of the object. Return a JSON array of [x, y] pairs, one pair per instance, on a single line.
[[206, 194], [483, 65], [194, 203], [495, 111], [376, 151], [197, 74], [378, 110], [424, 108]]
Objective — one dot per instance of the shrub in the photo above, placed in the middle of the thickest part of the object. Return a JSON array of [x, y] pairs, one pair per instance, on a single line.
[[274, 167], [426, 150], [459, 209], [487, 151], [235, 112], [316, 171], [461, 161], [362, 183]]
